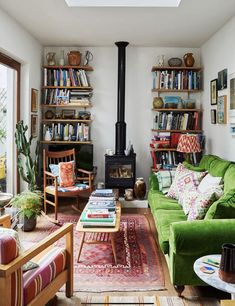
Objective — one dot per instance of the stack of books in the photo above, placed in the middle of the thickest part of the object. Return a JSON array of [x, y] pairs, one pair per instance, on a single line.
[[100, 210]]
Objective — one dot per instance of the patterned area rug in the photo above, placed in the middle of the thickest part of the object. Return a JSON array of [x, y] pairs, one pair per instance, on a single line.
[[138, 261]]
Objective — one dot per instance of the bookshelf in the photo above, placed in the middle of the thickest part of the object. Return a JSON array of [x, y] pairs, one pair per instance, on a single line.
[[66, 100], [170, 123]]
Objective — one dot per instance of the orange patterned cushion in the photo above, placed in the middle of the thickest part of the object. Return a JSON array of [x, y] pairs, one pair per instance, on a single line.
[[66, 174]]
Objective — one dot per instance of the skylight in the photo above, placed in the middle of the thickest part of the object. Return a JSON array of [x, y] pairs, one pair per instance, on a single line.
[[123, 3]]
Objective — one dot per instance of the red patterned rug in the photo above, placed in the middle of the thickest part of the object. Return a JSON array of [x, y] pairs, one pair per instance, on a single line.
[[138, 262]]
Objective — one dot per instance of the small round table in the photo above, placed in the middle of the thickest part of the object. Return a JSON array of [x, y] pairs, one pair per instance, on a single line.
[[213, 279]]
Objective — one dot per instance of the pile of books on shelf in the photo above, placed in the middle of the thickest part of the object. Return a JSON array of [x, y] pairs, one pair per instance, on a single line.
[[100, 210]]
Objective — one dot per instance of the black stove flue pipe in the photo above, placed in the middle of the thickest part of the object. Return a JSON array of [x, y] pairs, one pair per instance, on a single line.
[[120, 144]]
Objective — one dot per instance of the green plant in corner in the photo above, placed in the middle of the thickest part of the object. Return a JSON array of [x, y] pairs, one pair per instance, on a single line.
[[29, 174]]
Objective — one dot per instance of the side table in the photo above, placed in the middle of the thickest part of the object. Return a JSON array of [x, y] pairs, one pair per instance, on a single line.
[[213, 279]]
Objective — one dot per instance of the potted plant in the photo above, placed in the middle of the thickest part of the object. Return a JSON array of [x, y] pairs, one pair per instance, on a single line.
[[29, 201]]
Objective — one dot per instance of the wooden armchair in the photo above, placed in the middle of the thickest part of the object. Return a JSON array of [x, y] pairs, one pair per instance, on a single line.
[[52, 186], [37, 286]]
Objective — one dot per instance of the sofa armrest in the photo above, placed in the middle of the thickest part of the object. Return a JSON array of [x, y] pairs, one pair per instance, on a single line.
[[201, 236], [153, 182]]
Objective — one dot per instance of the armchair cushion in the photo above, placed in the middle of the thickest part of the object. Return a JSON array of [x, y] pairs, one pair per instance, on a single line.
[[10, 232], [75, 187], [50, 265], [66, 173], [8, 248]]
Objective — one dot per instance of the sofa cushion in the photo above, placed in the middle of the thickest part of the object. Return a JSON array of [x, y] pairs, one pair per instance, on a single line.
[[184, 180], [50, 266], [218, 167], [192, 167], [165, 179], [229, 178], [163, 219], [224, 208], [209, 181], [200, 205], [159, 201]]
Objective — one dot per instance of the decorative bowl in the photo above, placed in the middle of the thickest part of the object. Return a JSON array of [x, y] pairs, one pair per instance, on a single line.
[[175, 62], [5, 198]]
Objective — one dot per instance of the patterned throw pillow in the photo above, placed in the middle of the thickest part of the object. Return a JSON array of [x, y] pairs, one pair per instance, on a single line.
[[14, 234], [187, 198], [55, 170], [66, 174], [165, 179], [184, 180], [203, 201]]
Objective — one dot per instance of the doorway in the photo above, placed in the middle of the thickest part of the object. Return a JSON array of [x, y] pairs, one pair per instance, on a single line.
[[9, 115]]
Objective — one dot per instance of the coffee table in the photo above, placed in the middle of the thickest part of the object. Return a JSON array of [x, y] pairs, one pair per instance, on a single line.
[[213, 279], [110, 230]]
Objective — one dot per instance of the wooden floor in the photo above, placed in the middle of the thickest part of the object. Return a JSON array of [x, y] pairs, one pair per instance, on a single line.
[[200, 291]]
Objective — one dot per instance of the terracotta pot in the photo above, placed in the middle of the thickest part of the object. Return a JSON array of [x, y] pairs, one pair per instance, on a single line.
[[140, 188], [189, 60], [74, 58]]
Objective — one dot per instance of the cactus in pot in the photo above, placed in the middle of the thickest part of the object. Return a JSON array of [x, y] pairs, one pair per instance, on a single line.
[[28, 167], [29, 202]]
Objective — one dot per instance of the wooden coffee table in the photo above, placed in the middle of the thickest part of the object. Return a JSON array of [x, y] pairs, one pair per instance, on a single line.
[[97, 229]]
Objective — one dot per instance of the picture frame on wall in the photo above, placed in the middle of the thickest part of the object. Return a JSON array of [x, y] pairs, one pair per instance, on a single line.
[[213, 116], [34, 100], [232, 94], [222, 110], [222, 79], [34, 125], [214, 91]]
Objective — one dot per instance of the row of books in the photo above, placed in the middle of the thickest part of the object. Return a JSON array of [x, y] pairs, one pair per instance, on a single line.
[[100, 210], [176, 121], [65, 77], [169, 159], [66, 132], [65, 96], [172, 79]]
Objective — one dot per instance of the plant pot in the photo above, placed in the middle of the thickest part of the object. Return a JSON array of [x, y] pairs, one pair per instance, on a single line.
[[29, 224]]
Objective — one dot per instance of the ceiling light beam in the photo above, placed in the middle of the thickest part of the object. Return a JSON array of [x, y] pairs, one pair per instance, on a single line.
[[123, 3]]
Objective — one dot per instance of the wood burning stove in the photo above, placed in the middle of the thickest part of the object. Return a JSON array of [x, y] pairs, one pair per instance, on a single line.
[[120, 169]]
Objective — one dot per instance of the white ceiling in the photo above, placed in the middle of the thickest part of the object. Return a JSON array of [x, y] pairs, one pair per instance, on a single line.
[[52, 22]]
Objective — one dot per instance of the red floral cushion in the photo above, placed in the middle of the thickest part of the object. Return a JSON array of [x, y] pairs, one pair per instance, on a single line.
[[66, 174]]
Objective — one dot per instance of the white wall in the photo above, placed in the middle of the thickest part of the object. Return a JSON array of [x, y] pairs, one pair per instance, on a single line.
[[20, 45], [217, 54], [139, 116]]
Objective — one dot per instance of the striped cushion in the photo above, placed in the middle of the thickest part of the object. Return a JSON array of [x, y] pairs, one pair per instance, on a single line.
[[8, 248], [9, 251], [50, 266]]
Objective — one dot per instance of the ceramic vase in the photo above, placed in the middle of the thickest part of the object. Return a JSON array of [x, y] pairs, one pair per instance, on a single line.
[[189, 60], [74, 58], [140, 188]]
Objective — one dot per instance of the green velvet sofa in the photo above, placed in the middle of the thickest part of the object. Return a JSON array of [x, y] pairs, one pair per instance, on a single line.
[[184, 241]]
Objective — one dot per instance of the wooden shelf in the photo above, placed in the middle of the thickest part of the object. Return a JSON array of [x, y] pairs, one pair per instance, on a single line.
[[176, 110], [65, 142], [66, 120], [68, 87], [65, 105], [164, 149], [157, 68], [87, 68], [176, 90], [178, 131]]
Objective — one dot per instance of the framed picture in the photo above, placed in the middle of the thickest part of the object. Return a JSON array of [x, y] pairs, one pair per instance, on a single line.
[[34, 100], [232, 94], [222, 79], [213, 116], [34, 125], [68, 113], [214, 92], [222, 110]]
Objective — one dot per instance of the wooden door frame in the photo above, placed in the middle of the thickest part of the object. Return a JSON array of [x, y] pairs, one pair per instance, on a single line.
[[11, 63]]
